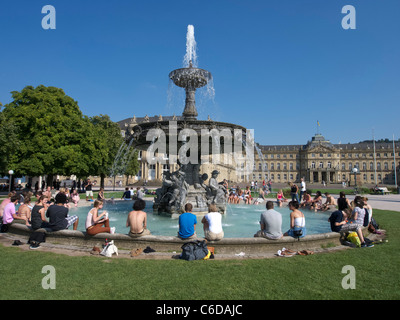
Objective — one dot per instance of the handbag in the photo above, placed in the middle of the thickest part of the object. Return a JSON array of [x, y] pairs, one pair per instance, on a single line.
[[297, 231]]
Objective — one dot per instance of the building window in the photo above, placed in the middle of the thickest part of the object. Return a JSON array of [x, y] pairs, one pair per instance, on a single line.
[[312, 165], [329, 165], [321, 165]]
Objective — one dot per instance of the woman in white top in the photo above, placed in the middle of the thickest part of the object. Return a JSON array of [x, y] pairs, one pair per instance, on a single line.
[[297, 221], [95, 223], [212, 224]]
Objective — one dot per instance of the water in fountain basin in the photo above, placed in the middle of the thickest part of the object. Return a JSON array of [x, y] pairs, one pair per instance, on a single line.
[[240, 221]]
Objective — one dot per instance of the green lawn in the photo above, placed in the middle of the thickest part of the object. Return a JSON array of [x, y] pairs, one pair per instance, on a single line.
[[317, 276]]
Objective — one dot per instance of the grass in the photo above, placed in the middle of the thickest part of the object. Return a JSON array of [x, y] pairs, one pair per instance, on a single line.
[[300, 277]]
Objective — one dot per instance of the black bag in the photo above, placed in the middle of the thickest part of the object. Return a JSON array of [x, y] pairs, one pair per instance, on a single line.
[[37, 237], [297, 232], [374, 223], [366, 218], [195, 250], [4, 228]]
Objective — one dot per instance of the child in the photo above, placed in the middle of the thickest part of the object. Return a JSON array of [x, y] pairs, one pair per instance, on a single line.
[[75, 197]]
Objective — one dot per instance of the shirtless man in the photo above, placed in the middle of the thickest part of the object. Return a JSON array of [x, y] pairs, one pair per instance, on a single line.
[[24, 211], [330, 202], [137, 220]]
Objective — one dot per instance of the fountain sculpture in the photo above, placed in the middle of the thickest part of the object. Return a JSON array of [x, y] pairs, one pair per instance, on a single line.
[[195, 139]]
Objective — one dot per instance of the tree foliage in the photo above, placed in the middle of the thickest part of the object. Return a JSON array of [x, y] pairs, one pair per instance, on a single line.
[[43, 132]]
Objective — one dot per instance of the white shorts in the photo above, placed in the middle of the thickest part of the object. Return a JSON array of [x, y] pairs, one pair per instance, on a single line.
[[89, 193]]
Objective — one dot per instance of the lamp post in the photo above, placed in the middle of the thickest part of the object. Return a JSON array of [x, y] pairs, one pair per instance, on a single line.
[[355, 172], [11, 172]]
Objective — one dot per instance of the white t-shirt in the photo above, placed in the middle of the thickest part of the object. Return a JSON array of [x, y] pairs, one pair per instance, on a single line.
[[214, 221], [303, 186]]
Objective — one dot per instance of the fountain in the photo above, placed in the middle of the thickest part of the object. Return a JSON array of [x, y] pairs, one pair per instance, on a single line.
[[196, 140]]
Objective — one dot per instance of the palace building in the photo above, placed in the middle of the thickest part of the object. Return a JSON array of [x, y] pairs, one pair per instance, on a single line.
[[317, 161]]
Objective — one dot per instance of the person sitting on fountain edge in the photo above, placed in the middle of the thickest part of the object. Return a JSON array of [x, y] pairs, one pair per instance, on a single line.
[[126, 195], [271, 223], [187, 224], [137, 220]]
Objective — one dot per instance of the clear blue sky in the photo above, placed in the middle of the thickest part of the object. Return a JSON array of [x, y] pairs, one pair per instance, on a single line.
[[278, 66]]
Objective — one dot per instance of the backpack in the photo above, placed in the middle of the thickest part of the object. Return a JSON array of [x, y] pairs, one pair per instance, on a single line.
[[354, 239], [373, 226], [195, 250]]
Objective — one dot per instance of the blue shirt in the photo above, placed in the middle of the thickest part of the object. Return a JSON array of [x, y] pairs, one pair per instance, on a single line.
[[187, 221]]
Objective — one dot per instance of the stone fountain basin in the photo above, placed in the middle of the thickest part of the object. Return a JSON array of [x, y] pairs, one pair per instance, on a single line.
[[174, 244], [141, 131], [190, 77]]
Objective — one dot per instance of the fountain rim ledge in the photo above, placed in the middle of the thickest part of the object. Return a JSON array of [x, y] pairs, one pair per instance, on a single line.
[[253, 245]]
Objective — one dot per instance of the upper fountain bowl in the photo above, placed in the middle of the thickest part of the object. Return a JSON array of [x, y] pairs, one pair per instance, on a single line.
[[190, 77]]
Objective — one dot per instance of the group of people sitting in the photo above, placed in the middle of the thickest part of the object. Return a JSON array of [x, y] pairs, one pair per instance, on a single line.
[[308, 202], [129, 194], [352, 217], [212, 222], [48, 214], [271, 222], [236, 195], [349, 216], [35, 214]]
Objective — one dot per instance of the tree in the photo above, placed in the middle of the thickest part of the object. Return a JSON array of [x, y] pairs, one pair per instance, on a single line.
[[8, 142], [108, 141], [53, 135], [133, 165]]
